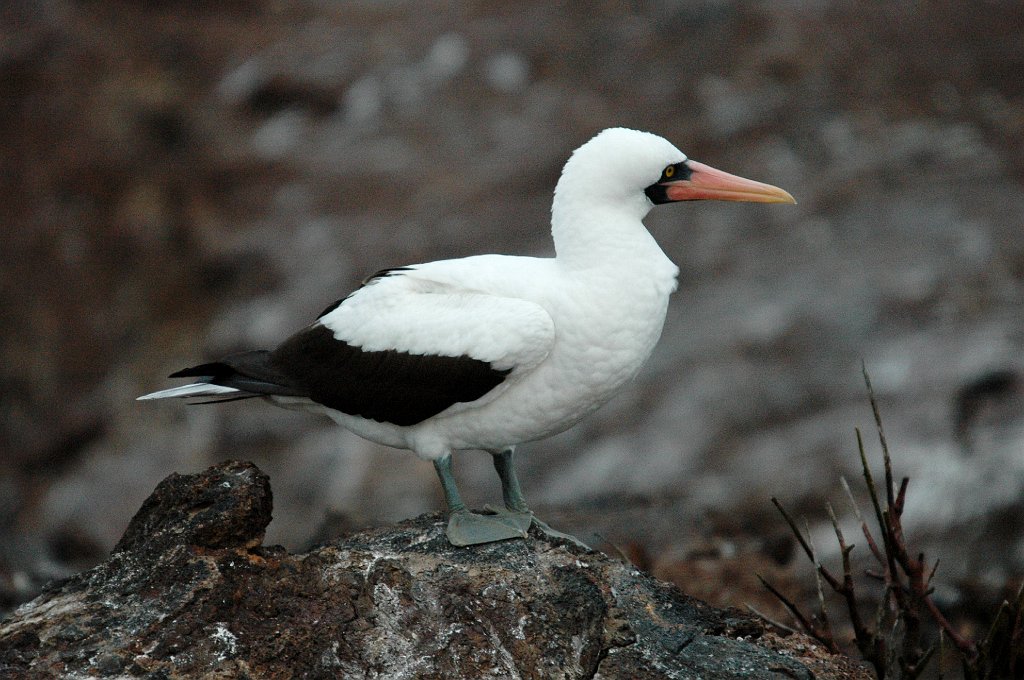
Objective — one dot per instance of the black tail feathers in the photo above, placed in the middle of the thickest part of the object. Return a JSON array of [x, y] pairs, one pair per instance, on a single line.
[[250, 372]]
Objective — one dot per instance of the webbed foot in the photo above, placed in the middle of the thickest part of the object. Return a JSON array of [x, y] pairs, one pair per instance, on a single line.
[[554, 533], [524, 519], [521, 519], [468, 528]]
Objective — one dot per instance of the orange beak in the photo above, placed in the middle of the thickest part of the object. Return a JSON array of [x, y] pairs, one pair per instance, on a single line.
[[707, 183]]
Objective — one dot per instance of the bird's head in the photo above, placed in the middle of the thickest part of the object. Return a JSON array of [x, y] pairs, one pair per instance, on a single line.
[[638, 170]]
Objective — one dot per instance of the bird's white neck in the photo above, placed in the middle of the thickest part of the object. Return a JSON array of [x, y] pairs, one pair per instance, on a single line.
[[600, 203], [601, 234]]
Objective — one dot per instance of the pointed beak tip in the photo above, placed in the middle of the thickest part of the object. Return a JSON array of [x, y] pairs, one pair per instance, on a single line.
[[787, 198]]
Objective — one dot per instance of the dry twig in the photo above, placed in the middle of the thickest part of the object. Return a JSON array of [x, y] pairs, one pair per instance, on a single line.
[[895, 644]]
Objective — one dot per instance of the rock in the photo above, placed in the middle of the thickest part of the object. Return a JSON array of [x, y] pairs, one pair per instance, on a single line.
[[228, 506], [189, 592]]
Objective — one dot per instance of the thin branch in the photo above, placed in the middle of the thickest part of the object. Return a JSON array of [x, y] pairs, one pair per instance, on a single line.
[[967, 647], [854, 505], [901, 498], [833, 582], [881, 648], [873, 492], [942, 654], [931, 574], [826, 625], [807, 626], [860, 517], [881, 432], [863, 637], [769, 620], [792, 525], [922, 662]]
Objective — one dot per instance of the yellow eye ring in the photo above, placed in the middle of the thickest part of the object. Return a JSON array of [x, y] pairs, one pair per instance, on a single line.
[[669, 171]]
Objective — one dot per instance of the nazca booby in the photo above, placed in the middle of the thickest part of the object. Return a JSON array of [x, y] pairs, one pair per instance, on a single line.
[[491, 351]]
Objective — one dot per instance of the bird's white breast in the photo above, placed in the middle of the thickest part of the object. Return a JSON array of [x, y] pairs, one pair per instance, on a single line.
[[607, 321]]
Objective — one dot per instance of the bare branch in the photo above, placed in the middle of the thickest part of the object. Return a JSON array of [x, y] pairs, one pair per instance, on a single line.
[[833, 582], [881, 434], [894, 645], [967, 647], [818, 576], [864, 638], [901, 498], [792, 525], [869, 480], [931, 574], [769, 620], [854, 505], [794, 611], [921, 663]]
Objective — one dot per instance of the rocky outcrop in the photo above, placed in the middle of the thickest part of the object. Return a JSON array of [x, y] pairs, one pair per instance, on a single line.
[[190, 592]]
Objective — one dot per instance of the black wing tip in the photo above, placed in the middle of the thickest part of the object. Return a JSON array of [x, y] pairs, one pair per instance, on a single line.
[[231, 365], [200, 371], [330, 308], [188, 373], [384, 273]]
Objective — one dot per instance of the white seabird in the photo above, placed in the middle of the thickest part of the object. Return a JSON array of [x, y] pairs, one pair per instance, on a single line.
[[491, 351]]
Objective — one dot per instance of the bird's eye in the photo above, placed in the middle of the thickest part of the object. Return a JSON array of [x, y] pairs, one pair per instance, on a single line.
[[670, 171]]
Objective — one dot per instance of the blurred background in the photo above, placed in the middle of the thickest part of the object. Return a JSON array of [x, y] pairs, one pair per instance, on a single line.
[[181, 180]]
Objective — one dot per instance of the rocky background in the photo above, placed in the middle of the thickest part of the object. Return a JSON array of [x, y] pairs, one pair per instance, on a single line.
[[185, 179]]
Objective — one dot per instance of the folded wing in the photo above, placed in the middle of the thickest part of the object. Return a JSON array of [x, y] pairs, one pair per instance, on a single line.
[[399, 350]]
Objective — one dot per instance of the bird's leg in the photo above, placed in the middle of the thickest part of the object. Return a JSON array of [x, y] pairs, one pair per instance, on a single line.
[[465, 527], [510, 489], [452, 499], [516, 510]]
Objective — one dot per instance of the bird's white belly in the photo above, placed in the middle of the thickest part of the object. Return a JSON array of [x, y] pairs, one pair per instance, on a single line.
[[602, 341]]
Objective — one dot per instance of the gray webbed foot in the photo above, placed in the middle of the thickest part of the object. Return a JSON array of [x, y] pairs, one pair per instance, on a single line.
[[521, 519], [468, 528], [525, 519], [554, 533]]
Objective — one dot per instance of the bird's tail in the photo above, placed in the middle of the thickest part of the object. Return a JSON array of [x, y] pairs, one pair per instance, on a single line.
[[239, 376], [199, 389]]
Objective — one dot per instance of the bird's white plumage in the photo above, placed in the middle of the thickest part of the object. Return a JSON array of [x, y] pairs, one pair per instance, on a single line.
[[573, 328], [569, 329], [417, 314]]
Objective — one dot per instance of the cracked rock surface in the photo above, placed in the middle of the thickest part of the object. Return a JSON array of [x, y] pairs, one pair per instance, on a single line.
[[190, 592]]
